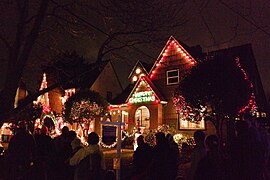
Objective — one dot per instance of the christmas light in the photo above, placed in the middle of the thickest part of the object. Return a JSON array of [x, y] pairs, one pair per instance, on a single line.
[[169, 47], [252, 106], [143, 93]]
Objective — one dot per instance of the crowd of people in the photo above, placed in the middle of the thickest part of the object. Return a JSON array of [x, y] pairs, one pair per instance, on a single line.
[[38, 156], [245, 157]]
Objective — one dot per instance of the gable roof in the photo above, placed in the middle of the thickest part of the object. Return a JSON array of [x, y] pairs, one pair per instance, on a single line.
[[151, 85], [145, 66], [172, 43]]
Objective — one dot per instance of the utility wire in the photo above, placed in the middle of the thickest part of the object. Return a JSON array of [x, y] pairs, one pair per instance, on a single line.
[[246, 19], [98, 29]]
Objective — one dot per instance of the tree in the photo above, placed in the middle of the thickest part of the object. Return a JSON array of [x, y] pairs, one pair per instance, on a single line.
[[131, 25], [34, 31], [218, 89], [84, 106]]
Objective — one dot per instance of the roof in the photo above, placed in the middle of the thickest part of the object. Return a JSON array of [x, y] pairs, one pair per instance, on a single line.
[[146, 67], [121, 98], [171, 43], [156, 91], [243, 52], [74, 71]]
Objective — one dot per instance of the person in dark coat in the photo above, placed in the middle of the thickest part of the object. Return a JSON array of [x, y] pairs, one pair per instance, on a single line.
[[142, 157], [21, 154], [46, 152], [63, 152], [197, 154], [210, 167], [160, 166]]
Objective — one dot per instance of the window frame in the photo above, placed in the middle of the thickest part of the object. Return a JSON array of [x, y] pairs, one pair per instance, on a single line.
[[172, 77]]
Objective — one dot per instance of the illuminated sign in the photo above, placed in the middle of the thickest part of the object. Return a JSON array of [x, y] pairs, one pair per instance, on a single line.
[[144, 96]]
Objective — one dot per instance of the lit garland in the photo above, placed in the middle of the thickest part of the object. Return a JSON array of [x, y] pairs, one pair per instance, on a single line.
[[105, 145], [251, 106], [127, 135]]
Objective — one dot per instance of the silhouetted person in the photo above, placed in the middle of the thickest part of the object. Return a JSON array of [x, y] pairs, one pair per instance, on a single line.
[[76, 145], [197, 154], [210, 167], [21, 154], [46, 152], [160, 167], [89, 161], [142, 157], [247, 153], [173, 157], [63, 152]]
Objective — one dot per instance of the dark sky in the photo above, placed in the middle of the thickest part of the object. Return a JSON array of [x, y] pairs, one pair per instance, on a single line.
[[211, 24], [223, 24]]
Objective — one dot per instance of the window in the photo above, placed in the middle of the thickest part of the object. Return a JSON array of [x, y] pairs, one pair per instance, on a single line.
[[184, 124], [173, 77]]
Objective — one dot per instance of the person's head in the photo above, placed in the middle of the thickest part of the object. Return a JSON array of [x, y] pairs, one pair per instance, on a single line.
[[169, 137], [199, 136], [212, 142], [65, 130], [140, 140], [160, 137], [72, 134], [93, 138]]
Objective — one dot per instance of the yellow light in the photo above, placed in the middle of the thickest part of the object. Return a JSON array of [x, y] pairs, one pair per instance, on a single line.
[[134, 78], [138, 70]]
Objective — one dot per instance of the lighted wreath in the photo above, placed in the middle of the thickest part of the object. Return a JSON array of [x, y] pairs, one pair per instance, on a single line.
[[84, 106]]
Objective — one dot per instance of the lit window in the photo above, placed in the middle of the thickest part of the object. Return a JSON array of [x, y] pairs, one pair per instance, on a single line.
[[134, 78], [184, 124], [173, 77], [138, 71]]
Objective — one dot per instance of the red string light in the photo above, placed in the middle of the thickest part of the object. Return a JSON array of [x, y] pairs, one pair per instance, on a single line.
[[252, 101]]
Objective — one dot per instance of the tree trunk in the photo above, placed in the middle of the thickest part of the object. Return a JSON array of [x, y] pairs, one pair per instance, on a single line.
[[18, 58]]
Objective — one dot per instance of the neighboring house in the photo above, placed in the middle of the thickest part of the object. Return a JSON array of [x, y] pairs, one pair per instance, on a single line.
[[149, 102], [99, 77]]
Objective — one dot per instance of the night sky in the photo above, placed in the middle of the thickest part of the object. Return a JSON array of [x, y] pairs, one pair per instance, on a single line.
[[222, 24], [211, 24]]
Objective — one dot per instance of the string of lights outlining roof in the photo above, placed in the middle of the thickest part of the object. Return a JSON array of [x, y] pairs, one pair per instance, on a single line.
[[172, 44]]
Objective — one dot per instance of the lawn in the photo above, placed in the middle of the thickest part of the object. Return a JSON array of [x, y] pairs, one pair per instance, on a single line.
[[126, 161]]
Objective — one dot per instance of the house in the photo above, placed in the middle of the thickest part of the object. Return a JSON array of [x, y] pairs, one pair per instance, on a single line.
[[147, 102], [100, 77]]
